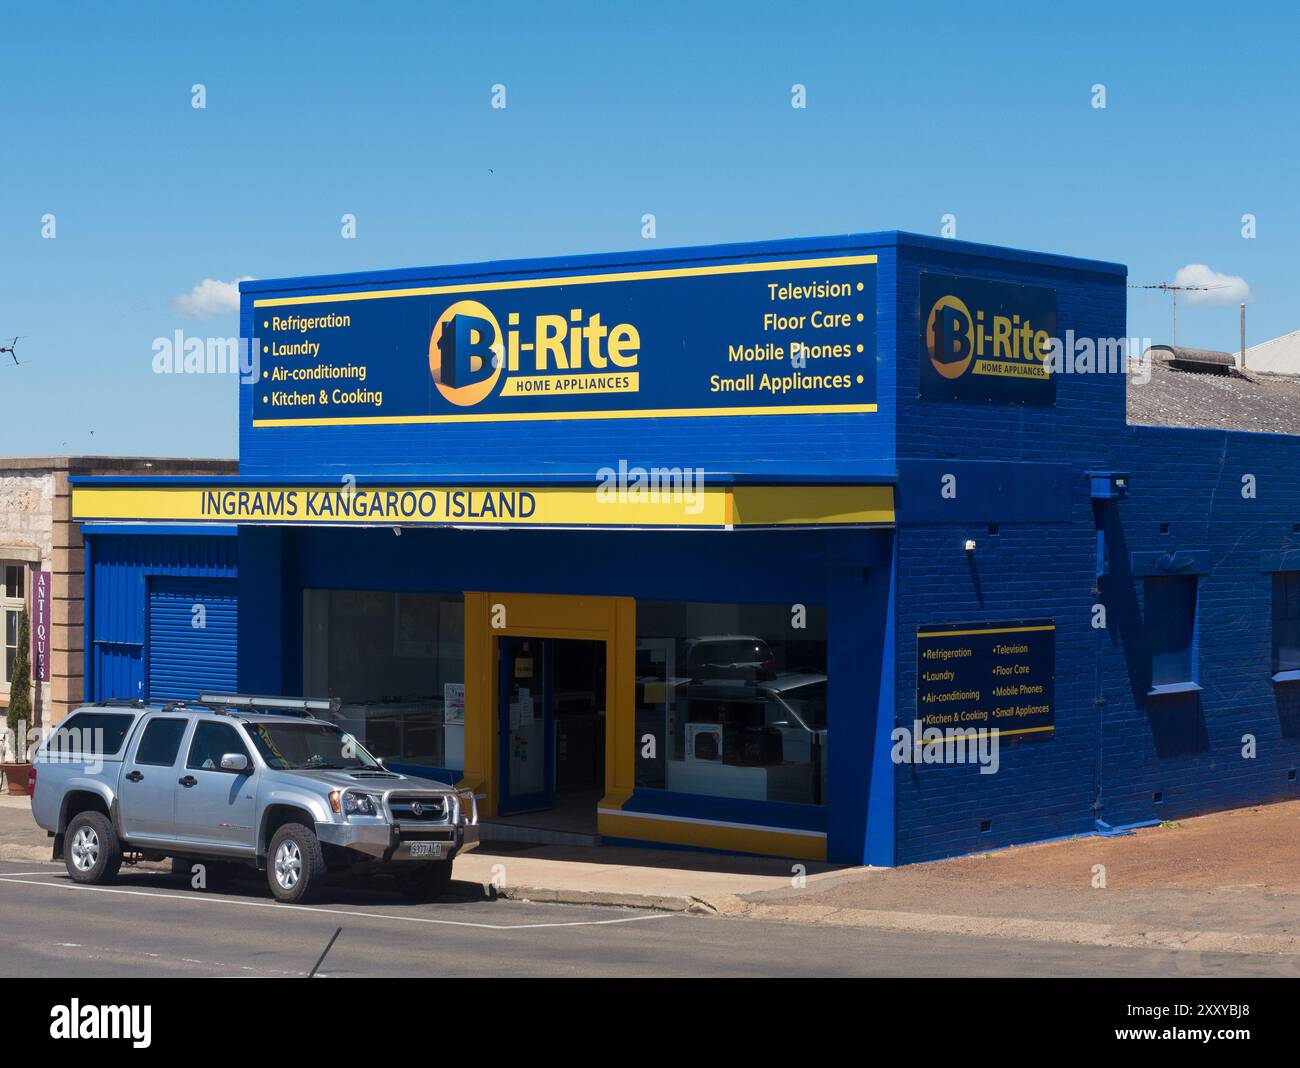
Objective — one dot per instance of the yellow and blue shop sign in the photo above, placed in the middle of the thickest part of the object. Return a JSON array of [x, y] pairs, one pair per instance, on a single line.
[[792, 336]]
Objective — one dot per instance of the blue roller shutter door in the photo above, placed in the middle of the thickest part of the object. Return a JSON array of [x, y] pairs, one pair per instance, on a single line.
[[192, 638]]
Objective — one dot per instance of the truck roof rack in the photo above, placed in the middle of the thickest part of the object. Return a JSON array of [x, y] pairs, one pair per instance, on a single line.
[[193, 706], [300, 706], [218, 709], [120, 702]]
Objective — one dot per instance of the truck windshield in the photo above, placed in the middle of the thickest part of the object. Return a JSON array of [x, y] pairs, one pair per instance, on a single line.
[[290, 746]]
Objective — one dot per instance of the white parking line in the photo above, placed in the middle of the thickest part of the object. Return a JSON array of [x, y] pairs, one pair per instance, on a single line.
[[336, 912]]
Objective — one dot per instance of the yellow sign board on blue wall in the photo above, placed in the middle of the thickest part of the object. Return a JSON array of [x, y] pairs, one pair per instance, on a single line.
[[792, 336]]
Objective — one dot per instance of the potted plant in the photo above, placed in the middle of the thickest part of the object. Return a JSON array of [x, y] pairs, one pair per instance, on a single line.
[[19, 717]]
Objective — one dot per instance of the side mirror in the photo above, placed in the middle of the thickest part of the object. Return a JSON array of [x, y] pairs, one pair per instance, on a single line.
[[234, 762]]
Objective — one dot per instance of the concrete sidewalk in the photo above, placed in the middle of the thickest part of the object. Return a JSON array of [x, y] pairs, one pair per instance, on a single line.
[[623, 875], [20, 838]]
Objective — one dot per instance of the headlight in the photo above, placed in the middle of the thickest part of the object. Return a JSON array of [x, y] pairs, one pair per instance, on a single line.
[[360, 804], [468, 807]]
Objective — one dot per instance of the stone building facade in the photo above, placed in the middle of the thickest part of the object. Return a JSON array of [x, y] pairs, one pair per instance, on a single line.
[[37, 535]]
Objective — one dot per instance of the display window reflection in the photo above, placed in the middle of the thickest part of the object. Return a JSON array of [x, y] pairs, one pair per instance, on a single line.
[[731, 700]]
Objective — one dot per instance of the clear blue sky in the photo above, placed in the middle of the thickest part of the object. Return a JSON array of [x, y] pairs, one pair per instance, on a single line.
[[614, 110]]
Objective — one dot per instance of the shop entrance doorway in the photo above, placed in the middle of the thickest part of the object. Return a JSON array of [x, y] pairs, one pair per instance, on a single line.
[[579, 709], [552, 719]]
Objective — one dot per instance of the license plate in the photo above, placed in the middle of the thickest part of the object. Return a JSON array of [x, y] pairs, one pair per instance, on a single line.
[[426, 849]]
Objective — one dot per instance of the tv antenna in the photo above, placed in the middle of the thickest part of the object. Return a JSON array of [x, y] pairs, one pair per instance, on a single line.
[[11, 350], [1173, 290]]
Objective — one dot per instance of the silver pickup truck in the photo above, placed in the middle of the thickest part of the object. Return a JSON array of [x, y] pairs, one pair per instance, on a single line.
[[238, 780]]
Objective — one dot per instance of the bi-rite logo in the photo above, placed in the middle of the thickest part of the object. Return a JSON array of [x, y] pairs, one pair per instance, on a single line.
[[471, 358], [959, 341], [465, 353]]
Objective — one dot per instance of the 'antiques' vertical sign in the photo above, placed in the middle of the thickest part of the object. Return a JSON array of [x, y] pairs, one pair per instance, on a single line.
[[41, 627]]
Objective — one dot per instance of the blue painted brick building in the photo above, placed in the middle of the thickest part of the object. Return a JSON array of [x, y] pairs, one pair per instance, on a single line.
[[891, 492]]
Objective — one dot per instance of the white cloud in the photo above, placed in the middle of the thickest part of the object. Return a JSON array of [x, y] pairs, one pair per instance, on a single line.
[[209, 299], [1230, 289]]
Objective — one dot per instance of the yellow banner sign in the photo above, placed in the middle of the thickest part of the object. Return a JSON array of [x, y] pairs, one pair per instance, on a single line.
[[660, 503]]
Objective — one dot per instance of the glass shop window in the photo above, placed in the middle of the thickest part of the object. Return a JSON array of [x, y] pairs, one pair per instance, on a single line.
[[1171, 625], [397, 662], [731, 701], [13, 596], [15, 582], [1286, 621]]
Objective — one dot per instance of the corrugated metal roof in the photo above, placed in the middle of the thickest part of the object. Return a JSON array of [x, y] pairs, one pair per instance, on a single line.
[[1280, 356]]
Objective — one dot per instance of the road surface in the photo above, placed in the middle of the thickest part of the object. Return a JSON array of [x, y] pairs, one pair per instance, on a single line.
[[151, 924]]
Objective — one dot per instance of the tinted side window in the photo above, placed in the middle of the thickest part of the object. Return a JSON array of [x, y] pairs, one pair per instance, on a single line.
[[211, 742], [91, 732], [161, 742]]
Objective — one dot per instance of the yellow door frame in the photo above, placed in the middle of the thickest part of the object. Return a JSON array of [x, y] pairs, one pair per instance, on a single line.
[[491, 616]]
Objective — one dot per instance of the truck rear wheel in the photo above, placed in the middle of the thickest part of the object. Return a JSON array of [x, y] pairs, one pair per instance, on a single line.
[[295, 868], [91, 850]]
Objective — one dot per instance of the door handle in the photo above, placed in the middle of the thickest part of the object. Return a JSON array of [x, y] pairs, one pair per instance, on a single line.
[[134, 776], [188, 780]]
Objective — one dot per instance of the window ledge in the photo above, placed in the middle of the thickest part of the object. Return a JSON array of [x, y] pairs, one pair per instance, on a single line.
[[1287, 676], [1172, 688]]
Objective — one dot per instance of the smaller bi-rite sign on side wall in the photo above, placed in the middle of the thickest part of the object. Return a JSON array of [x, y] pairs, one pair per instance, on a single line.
[[987, 676], [986, 341]]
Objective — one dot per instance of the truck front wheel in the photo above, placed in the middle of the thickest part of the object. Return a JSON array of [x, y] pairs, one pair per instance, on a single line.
[[295, 868], [91, 850]]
